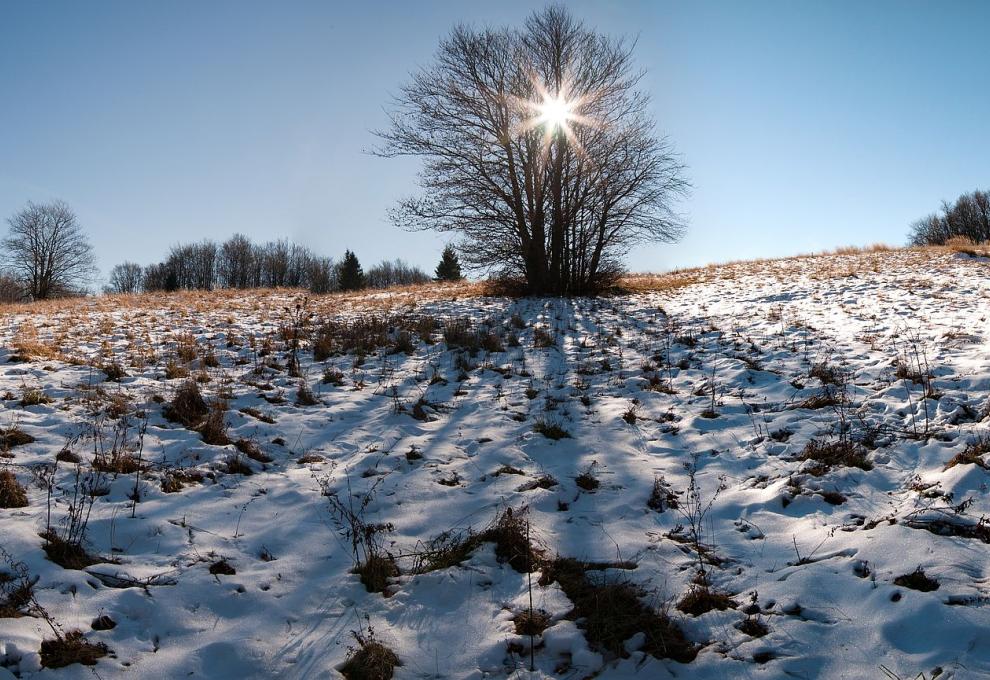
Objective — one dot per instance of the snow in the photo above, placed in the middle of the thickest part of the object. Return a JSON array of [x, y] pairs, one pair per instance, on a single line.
[[821, 574]]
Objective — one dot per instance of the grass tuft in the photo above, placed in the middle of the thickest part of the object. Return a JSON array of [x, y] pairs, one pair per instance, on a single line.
[[69, 649], [612, 612], [12, 493]]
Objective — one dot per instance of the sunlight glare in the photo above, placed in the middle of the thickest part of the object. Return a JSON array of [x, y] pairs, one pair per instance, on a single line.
[[555, 112]]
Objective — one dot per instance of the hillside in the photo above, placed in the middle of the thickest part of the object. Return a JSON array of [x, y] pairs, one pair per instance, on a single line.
[[759, 469]]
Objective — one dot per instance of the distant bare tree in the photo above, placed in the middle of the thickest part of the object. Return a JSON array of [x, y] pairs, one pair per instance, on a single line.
[[48, 252], [538, 150], [203, 265], [968, 217], [321, 274], [386, 274], [239, 263], [126, 277], [236, 260], [10, 288]]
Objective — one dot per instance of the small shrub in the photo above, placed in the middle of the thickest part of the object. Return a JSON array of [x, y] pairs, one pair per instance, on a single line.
[[510, 534], [531, 623], [252, 450], [236, 466], [332, 376], [403, 344], [67, 554], [753, 627], [305, 396], [71, 648], [174, 370], [16, 588], [835, 454], [213, 429], [14, 436], [612, 612], [376, 570], [12, 494], [661, 497], [550, 429], [972, 454], [370, 660], [114, 371], [258, 415], [828, 375], [187, 406], [701, 599], [543, 338], [34, 397], [586, 480]]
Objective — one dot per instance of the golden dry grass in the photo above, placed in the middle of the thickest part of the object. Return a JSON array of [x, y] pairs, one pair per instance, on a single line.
[[40, 329]]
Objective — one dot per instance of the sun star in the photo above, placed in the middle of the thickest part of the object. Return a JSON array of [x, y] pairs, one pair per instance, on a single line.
[[555, 112]]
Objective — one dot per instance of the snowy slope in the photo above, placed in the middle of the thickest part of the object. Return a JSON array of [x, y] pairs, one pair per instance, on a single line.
[[815, 547]]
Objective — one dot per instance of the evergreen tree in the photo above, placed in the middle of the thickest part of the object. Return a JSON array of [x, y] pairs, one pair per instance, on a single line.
[[449, 268], [351, 276]]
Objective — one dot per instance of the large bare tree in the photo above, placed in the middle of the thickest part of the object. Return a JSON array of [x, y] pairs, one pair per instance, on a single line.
[[48, 252], [126, 277], [538, 150]]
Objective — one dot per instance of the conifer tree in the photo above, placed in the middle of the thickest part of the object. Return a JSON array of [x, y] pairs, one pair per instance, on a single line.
[[351, 276], [449, 268]]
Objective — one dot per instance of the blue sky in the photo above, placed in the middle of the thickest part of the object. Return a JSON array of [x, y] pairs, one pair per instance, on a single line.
[[805, 125]]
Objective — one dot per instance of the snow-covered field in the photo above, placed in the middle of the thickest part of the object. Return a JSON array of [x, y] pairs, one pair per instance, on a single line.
[[814, 406]]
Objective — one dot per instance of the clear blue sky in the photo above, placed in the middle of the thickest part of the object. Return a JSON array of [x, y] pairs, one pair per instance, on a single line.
[[806, 125]]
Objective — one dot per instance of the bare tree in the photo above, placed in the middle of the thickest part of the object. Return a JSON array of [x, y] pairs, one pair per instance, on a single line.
[[10, 288], [968, 217], [538, 149], [236, 262], [126, 277], [48, 252], [386, 274]]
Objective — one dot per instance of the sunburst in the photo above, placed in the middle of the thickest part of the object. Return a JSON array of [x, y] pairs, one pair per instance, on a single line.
[[556, 113]]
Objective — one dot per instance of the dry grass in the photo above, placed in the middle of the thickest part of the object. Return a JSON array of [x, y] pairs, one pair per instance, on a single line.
[[16, 589], [703, 599], [376, 571], [370, 660], [827, 455], [67, 554], [972, 454], [531, 622], [14, 436], [187, 406], [612, 612], [69, 649]]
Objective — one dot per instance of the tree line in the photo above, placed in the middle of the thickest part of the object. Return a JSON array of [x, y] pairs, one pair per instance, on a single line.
[[967, 218], [47, 254]]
